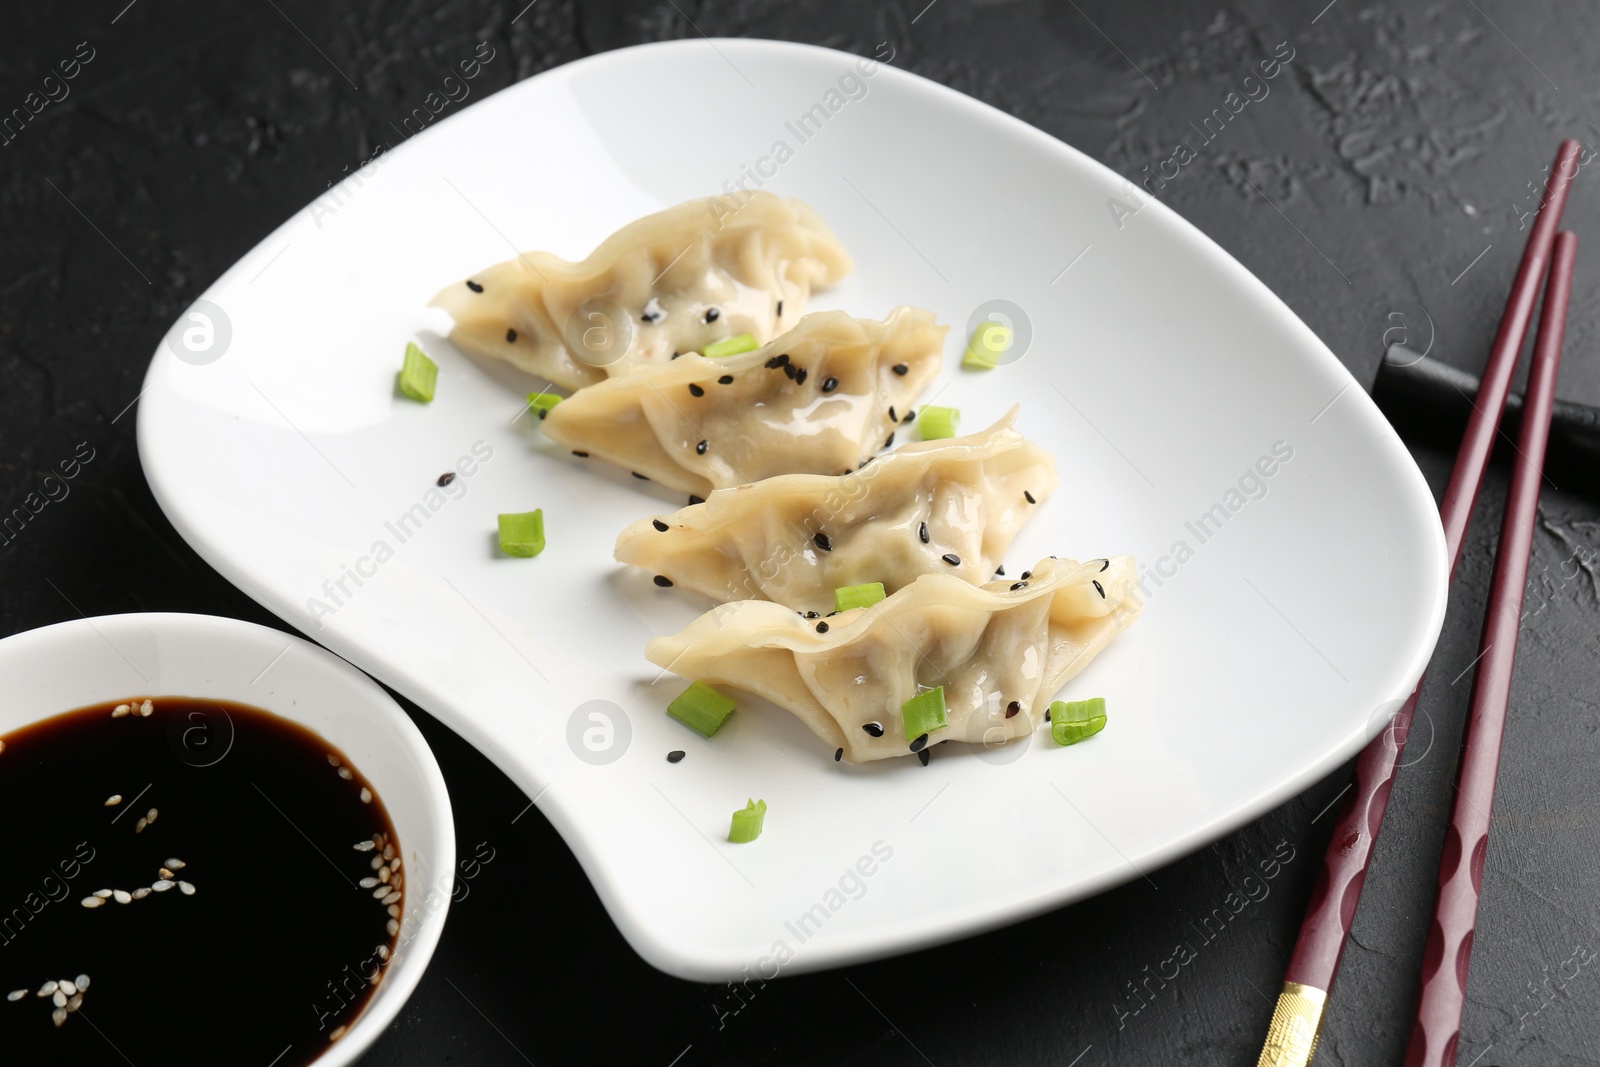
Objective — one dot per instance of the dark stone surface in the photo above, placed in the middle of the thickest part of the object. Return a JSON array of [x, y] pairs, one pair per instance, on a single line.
[[1400, 146]]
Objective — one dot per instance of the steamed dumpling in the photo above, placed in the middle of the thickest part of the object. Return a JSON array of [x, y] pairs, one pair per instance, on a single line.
[[681, 278], [1002, 645], [796, 538], [815, 400]]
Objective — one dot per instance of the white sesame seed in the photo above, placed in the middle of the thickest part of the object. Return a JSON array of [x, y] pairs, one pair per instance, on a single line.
[[363, 846], [377, 861], [394, 864], [383, 876], [333, 761], [120, 710], [147, 709], [46, 989], [59, 999], [344, 772], [163, 872], [82, 982], [67, 986], [16, 994], [150, 816], [163, 885], [92, 902], [337, 1033], [368, 883], [75, 1003], [59, 1016], [121, 896], [2, 746], [174, 864], [381, 891], [374, 976], [391, 898], [103, 894], [388, 852], [113, 800], [139, 826], [383, 952], [366, 795], [140, 893], [394, 911], [393, 927], [187, 888]]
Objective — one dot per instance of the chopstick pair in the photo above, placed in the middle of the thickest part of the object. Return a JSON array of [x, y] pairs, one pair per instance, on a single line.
[[1297, 1019]]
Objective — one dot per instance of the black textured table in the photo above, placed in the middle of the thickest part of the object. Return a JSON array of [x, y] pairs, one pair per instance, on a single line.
[[1391, 173]]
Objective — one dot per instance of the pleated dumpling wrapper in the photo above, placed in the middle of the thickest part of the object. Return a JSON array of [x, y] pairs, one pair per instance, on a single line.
[[991, 647], [670, 282], [815, 400], [948, 507]]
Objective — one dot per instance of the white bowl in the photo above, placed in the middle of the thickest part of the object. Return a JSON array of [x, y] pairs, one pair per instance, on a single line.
[[89, 661]]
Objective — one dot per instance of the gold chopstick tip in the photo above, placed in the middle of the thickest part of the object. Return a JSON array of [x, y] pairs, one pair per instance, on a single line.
[[1296, 1025]]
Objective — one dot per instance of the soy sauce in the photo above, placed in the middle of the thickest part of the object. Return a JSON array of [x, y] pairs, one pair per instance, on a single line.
[[262, 943]]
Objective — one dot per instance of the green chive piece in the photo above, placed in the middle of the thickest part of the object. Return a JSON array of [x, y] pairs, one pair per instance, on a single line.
[[703, 709], [989, 342], [923, 713], [746, 826], [541, 403], [418, 374], [857, 596], [730, 346], [522, 535], [1073, 720], [937, 423]]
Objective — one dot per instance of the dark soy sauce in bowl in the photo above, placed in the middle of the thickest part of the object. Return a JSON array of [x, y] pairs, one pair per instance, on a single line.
[[245, 880]]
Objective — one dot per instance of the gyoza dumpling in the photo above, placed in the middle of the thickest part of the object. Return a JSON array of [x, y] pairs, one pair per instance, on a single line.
[[949, 506], [816, 400], [680, 278], [1001, 651]]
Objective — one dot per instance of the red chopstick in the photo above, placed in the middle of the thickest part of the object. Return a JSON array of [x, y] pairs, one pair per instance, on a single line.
[[1444, 961], [1297, 1020]]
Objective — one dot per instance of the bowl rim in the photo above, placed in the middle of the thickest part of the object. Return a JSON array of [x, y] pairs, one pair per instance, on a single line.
[[385, 1006]]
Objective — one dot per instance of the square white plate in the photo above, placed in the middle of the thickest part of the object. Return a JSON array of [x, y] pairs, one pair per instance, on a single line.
[[1278, 637]]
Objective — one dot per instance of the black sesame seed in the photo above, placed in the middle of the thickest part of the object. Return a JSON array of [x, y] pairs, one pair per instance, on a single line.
[[1104, 564], [887, 441], [900, 369], [822, 627], [823, 543], [919, 743], [800, 376], [892, 416], [873, 729], [909, 416], [658, 524], [1012, 708], [695, 390], [580, 454], [542, 413], [788, 369], [831, 614], [1046, 714], [779, 360], [675, 355], [813, 615], [1000, 571], [446, 478], [475, 287], [922, 532], [830, 384], [663, 581], [696, 499], [1029, 496], [838, 754], [1098, 588], [675, 755], [639, 476], [511, 336], [726, 379], [700, 449], [952, 559], [924, 756], [712, 314], [780, 308], [1018, 585], [1026, 575]]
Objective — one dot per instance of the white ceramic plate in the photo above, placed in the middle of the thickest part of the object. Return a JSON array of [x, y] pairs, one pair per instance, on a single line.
[[91, 661], [1160, 373]]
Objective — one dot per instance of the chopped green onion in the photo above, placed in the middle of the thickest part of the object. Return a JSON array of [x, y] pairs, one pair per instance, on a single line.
[[923, 713], [857, 596], [747, 820], [1073, 720], [418, 374], [936, 423], [541, 403], [730, 346], [522, 535], [703, 709], [989, 342]]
